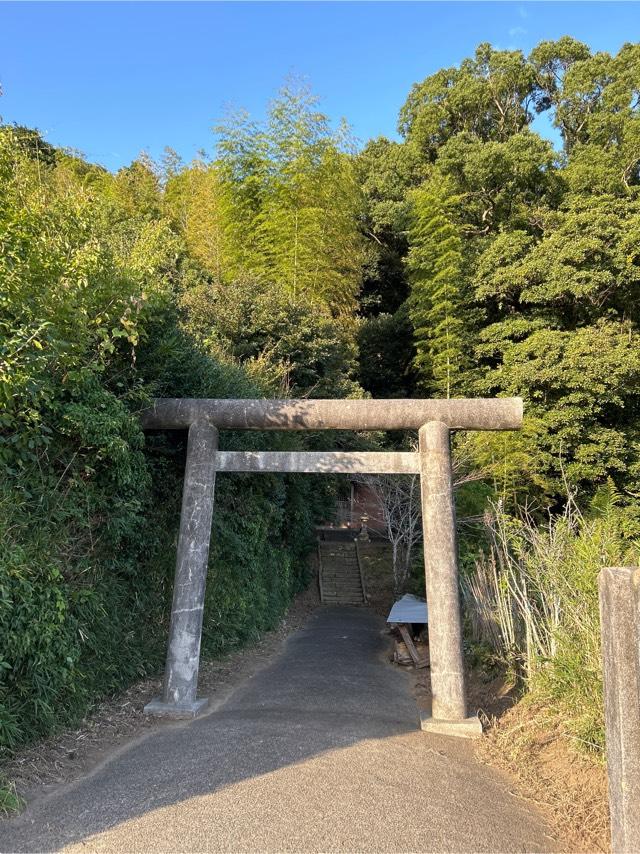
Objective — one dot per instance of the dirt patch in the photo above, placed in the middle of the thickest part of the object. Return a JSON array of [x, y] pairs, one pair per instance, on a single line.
[[41, 767], [569, 787]]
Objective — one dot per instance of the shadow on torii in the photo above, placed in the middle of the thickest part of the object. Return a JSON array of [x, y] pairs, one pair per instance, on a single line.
[[434, 420]]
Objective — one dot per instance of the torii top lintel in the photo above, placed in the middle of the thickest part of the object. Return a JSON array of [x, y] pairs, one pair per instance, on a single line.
[[503, 413]]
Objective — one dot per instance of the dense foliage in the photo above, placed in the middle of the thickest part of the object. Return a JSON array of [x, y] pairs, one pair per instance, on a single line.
[[518, 265], [533, 598], [101, 308], [522, 262]]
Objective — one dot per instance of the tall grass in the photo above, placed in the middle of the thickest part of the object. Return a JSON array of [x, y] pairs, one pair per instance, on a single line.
[[533, 598]]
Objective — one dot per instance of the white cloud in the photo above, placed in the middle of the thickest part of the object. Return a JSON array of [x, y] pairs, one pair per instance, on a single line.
[[517, 31]]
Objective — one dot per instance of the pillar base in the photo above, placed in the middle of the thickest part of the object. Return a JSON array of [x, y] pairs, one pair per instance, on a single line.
[[160, 709], [465, 728]]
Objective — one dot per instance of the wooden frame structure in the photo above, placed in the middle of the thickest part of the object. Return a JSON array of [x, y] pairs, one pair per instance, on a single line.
[[433, 419]]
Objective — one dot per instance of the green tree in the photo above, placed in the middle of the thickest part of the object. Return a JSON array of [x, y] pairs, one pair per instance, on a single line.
[[91, 327], [291, 347], [437, 303], [386, 172], [525, 258], [386, 354], [565, 336], [491, 96], [199, 202], [295, 200]]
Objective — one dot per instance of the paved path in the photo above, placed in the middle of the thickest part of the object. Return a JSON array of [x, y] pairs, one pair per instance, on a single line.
[[319, 751]]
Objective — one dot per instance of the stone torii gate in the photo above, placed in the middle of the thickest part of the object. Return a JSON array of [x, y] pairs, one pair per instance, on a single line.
[[434, 420]]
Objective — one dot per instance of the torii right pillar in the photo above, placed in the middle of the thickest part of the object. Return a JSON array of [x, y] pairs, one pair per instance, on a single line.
[[449, 708]]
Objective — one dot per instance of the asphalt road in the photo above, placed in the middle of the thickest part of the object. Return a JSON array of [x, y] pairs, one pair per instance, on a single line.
[[320, 751]]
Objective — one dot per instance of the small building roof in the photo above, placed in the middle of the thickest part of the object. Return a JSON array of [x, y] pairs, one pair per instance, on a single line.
[[409, 609]]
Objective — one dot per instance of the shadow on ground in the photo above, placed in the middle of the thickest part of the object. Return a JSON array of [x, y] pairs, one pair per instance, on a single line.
[[320, 751]]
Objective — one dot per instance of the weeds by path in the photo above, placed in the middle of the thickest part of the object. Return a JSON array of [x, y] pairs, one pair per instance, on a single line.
[[10, 801]]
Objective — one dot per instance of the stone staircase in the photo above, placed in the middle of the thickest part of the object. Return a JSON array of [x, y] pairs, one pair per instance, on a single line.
[[340, 575]]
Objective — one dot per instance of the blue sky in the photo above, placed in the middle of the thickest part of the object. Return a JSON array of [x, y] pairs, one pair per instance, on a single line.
[[112, 79]]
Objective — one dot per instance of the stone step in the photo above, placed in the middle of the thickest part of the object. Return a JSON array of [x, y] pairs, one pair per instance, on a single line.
[[351, 555], [337, 547], [340, 567], [336, 568], [330, 585], [340, 564], [339, 588], [340, 591], [340, 574], [339, 555], [334, 564], [342, 582], [340, 548]]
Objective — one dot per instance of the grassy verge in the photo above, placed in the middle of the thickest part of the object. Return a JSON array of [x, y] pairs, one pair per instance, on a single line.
[[532, 599], [532, 606]]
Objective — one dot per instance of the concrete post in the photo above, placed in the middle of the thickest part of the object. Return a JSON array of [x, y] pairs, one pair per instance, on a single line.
[[449, 708], [183, 654], [620, 628]]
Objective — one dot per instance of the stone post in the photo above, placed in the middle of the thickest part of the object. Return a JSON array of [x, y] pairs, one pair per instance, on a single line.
[[449, 708], [183, 654], [620, 630]]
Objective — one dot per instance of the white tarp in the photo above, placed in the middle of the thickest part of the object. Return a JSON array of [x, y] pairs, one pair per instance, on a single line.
[[409, 609]]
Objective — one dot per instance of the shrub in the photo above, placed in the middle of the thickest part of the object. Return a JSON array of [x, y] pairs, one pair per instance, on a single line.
[[533, 598]]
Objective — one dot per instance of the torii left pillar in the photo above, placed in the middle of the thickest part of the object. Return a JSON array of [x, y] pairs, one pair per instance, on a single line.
[[179, 697]]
